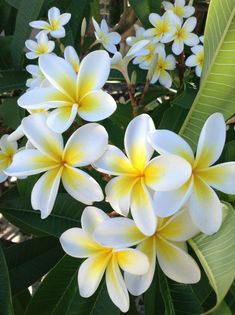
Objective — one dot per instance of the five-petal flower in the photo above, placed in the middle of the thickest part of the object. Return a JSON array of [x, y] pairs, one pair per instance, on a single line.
[[40, 47], [179, 8], [197, 59]]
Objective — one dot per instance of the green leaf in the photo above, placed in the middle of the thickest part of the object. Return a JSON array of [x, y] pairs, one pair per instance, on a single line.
[[217, 91], [173, 118], [143, 8], [27, 12], [223, 309], [5, 49], [30, 260], [20, 302], [230, 298], [11, 112], [217, 254], [12, 80], [228, 152], [5, 289], [14, 3]]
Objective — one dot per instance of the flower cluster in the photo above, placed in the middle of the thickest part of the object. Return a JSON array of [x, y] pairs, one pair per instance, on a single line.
[[162, 193]]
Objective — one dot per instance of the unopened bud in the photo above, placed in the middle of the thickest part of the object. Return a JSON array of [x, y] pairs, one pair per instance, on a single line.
[[83, 27], [133, 77]]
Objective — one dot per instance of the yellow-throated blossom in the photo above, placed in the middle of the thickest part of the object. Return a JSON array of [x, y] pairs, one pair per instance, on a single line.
[[196, 59], [38, 79], [163, 64], [147, 54], [204, 205], [106, 38], [179, 8], [7, 151], [39, 47], [138, 176], [83, 147], [168, 244], [79, 242], [56, 23], [72, 93]]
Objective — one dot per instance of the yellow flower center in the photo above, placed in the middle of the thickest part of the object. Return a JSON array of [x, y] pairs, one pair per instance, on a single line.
[[54, 25], [162, 28], [178, 10], [200, 59], [181, 34]]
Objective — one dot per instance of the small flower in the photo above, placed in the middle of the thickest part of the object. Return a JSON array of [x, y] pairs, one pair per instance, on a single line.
[[183, 35], [137, 175], [7, 151], [106, 38], [139, 35], [197, 59], [40, 47], [164, 26], [164, 63], [38, 79], [147, 54], [167, 244], [71, 56], [203, 203], [79, 242], [55, 25], [72, 93], [179, 8], [59, 162]]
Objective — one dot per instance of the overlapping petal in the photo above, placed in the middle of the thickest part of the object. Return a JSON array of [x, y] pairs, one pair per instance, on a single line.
[[91, 218]]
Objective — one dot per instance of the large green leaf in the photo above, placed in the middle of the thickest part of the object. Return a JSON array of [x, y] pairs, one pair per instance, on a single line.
[[12, 80], [223, 309], [217, 254], [30, 260], [217, 90], [11, 113], [143, 8], [27, 12], [5, 290]]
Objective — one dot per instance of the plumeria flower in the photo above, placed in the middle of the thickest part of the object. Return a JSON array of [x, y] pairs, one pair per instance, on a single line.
[[59, 162], [204, 205], [7, 151], [137, 175], [139, 35], [197, 59], [147, 54], [164, 26], [40, 47], [168, 244], [106, 38], [72, 93], [183, 35], [71, 56], [55, 25], [163, 64], [79, 242], [179, 8], [38, 79]]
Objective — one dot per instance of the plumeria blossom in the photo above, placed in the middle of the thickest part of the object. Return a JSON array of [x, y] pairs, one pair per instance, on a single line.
[[7, 151], [39, 47], [72, 93], [197, 59], [164, 26], [139, 35], [137, 175], [183, 35], [179, 8], [79, 242], [204, 205], [106, 38], [168, 244], [38, 79], [71, 56], [55, 25], [59, 162], [146, 55], [164, 63]]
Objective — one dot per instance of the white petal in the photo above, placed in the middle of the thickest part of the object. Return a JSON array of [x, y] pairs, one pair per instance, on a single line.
[[86, 145], [104, 26], [114, 38], [92, 74], [8, 147], [154, 18], [96, 25], [161, 174], [171, 62], [198, 71], [53, 14], [110, 47], [167, 5], [190, 24], [191, 61], [178, 47], [211, 141], [165, 79], [31, 45], [220, 177], [137, 147], [39, 24], [191, 40], [176, 263], [91, 218], [46, 141], [31, 55], [168, 142], [71, 56], [188, 11], [96, 106], [205, 207], [59, 33], [81, 186], [45, 191], [64, 18]]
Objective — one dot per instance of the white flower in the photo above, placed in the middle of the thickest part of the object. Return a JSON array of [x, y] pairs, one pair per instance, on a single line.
[[163, 64], [40, 47], [147, 54], [139, 35], [79, 242], [197, 59], [179, 8], [71, 56], [58, 162], [138, 175], [183, 35], [7, 151], [167, 244], [203, 203], [55, 25], [72, 93], [106, 38], [38, 79]]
